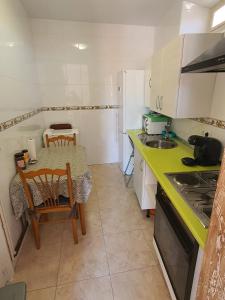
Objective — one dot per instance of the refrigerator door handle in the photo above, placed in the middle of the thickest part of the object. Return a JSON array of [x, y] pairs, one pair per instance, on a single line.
[[117, 127], [157, 101]]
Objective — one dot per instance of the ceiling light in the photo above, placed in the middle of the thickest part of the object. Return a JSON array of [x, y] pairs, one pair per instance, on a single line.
[[10, 44], [80, 46], [189, 5]]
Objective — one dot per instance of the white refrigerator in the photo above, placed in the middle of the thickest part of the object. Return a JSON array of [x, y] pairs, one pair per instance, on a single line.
[[130, 92]]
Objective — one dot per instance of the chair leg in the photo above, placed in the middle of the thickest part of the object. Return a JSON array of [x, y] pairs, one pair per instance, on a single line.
[[35, 227], [74, 227], [82, 218]]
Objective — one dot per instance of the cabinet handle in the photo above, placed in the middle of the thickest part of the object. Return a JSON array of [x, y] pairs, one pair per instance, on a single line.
[[150, 83]]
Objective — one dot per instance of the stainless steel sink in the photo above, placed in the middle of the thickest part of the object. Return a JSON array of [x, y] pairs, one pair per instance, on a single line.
[[161, 144], [156, 141]]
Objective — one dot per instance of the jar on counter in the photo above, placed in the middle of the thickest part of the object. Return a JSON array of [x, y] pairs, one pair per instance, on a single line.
[[26, 156], [19, 160]]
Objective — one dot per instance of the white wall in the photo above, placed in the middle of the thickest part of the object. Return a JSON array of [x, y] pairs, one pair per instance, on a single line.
[[169, 26], [18, 85], [69, 76], [18, 94], [194, 18]]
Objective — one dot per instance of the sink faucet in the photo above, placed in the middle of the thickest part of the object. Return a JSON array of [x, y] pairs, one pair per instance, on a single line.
[[167, 135]]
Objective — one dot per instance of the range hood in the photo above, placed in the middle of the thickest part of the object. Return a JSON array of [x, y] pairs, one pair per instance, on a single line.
[[212, 60]]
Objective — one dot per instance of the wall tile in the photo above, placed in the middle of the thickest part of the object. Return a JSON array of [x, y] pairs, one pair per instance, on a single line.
[[18, 95], [109, 49]]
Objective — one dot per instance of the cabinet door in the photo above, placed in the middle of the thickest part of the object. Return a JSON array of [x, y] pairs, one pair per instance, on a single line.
[[171, 65], [138, 175], [156, 82], [147, 87]]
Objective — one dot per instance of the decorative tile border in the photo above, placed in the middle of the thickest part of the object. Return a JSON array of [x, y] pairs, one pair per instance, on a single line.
[[14, 121], [210, 121], [91, 107]]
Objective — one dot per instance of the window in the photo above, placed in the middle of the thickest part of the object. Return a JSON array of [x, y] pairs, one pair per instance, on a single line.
[[218, 16]]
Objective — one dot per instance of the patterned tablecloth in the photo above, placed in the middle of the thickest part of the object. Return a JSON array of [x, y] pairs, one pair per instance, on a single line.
[[55, 158]]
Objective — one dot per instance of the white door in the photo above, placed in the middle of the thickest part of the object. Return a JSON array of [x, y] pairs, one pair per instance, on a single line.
[[147, 87], [120, 99], [171, 65], [134, 106]]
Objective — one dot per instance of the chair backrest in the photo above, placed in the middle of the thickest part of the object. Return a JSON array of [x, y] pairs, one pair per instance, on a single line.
[[61, 140], [59, 126], [46, 182]]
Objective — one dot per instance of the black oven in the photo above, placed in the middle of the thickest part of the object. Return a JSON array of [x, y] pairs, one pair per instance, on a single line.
[[177, 247]]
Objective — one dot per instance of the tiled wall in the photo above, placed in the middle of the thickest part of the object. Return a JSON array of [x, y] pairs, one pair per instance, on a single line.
[[18, 83], [186, 127], [69, 76], [72, 76], [18, 95]]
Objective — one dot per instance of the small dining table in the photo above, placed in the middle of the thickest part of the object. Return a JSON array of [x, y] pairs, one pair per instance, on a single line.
[[56, 157]]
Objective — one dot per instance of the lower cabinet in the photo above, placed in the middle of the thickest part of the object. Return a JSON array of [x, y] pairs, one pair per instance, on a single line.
[[145, 183]]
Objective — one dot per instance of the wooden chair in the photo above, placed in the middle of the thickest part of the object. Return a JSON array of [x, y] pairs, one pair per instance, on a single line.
[[61, 140], [59, 126], [46, 182]]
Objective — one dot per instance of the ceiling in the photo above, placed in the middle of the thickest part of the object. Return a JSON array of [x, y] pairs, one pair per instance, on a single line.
[[135, 12]]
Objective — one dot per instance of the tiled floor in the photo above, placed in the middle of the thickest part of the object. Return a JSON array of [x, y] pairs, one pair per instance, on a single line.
[[115, 260]]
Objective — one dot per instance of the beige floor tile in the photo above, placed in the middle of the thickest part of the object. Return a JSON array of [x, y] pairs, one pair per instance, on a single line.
[[107, 175], [93, 226], [38, 268], [111, 198], [127, 251], [45, 294], [148, 233], [93, 289], [92, 203], [105, 168], [147, 284], [50, 234], [123, 219], [81, 271], [85, 260]]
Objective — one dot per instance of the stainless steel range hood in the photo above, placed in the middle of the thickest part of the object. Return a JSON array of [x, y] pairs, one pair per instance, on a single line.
[[210, 61]]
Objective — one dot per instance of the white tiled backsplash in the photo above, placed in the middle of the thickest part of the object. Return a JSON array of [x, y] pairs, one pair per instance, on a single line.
[[186, 127]]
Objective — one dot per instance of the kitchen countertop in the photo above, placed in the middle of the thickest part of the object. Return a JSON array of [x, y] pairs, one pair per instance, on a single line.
[[163, 161]]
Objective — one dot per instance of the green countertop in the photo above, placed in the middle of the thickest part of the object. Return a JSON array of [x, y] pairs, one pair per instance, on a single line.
[[163, 161]]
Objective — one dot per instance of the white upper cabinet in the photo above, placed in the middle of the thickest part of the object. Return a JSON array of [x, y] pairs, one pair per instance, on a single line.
[[156, 81], [147, 87], [181, 95]]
